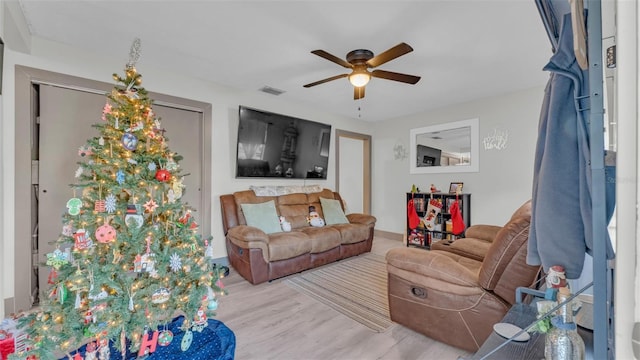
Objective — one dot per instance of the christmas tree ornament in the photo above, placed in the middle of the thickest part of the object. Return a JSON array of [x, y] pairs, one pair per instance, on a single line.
[[144, 263], [100, 206], [85, 151], [120, 177], [57, 259], [208, 252], [117, 256], [171, 197], [133, 217], [91, 351], [106, 110], [212, 304], [160, 296], [131, 307], [175, 262], [74, 205], [123, 343], [62, 293], [82, 240], [150, 206], [187, 339], [163, 175], [79, 172], [67, 229], [200, 320], [104, 353], [177, 186], [165, 337], [171, 165], [78, 303], [105, 234], [110, 203], [101, 141], [152, 166], [53, 276]]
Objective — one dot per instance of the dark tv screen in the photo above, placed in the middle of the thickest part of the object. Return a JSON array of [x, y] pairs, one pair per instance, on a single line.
[[273, 145]]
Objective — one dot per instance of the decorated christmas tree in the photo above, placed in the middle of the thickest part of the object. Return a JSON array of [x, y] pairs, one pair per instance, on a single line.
[[129, 258]]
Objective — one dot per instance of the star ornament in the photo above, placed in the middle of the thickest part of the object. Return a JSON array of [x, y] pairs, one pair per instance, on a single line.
[[150, 205]]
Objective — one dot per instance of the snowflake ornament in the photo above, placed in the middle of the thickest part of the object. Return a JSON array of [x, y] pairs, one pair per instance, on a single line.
[[120, 177], [175, 262], [110, 203], [57, 258], [152, 166]]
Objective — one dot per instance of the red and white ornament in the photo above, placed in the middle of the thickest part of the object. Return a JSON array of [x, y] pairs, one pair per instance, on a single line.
[[163, 175]]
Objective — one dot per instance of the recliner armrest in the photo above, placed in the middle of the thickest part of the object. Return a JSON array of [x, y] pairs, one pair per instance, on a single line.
[[361, 219], [482, 232], [431, 264], [247, 234]]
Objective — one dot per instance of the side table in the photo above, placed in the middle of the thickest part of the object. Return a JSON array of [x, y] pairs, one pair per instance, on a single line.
[[523, 315]]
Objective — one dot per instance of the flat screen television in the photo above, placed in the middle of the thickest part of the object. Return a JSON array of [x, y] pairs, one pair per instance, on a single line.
[[273, 145]]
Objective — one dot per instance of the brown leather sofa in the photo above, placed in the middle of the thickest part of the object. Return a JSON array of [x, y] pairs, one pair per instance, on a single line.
[[478, 238], [456, 299], [261, 257]]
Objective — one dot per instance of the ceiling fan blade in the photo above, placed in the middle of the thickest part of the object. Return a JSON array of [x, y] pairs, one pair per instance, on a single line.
[[358, 92], [332, 58], [389, 75], [326, 80], [389, 55]]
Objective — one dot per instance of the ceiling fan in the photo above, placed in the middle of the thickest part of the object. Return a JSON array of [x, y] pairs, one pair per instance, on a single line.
[[360, 60]]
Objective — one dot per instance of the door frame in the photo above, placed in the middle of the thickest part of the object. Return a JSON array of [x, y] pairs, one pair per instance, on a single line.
[[366, 170], [25, 114]]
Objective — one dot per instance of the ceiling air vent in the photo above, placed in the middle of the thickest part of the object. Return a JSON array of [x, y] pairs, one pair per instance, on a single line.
[[272, 91]]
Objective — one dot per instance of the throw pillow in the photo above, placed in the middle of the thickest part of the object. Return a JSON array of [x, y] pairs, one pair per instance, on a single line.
[[333, 213], [263, 216]]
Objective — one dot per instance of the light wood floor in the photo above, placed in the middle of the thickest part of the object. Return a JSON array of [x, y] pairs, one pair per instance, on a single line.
[[273, 321]]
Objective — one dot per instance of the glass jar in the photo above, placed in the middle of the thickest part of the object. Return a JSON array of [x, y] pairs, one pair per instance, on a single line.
[[563, 341]]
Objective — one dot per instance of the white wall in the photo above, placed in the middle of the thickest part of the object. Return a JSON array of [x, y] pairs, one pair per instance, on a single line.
[[505, 178], [63, 59]]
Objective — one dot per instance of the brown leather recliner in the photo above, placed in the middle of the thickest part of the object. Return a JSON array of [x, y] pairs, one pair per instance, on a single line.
[[455, 299], [478, 238]]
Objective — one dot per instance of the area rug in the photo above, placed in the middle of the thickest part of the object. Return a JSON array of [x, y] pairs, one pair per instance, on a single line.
[[355, 287]]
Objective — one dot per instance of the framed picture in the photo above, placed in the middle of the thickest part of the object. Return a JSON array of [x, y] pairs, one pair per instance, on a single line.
[[455, 187]]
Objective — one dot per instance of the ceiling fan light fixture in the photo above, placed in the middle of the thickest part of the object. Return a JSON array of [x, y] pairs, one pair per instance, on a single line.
[[359, 79]]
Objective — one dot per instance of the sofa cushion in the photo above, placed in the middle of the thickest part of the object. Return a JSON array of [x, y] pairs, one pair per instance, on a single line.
[[333, 213], [295, 209], [314, 199], [322, 238], [263, 216], [352, 233], [287, 245]]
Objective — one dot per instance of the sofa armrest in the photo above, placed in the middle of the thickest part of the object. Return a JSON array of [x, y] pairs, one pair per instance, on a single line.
[[247, 234], [361, 219], [482, 232], [431, 264]]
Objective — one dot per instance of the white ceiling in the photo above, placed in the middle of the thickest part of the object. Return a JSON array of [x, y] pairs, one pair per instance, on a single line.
[[463, 50]]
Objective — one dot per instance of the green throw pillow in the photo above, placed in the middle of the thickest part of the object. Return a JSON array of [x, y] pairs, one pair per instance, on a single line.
[[263, 216], [333, 213]]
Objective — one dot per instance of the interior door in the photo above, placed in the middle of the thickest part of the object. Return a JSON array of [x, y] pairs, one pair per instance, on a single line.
[[66, 119], [353, 163]]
